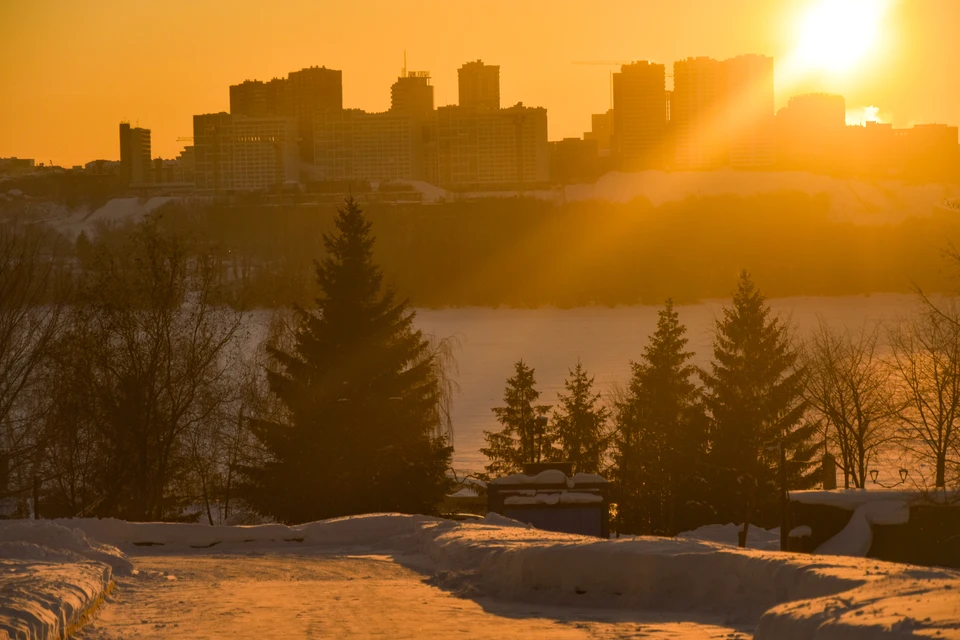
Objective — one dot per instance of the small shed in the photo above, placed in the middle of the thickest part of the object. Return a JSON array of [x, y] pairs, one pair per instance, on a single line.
[[550, 496]]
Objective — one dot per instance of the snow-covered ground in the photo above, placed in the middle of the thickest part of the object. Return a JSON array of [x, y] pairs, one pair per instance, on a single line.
[[415, 576], [51, 577]]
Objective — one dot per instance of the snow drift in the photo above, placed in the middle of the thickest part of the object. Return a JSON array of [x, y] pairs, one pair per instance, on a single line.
[[788, 596], [51, 577]]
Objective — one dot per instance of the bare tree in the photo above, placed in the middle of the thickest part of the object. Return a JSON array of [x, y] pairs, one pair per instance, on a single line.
[[153, 346], [32, 302], [926, 359], [848, 386]]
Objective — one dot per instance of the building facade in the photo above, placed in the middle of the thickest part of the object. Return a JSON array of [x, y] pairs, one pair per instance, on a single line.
[[136, 165], [354, 145], [811, 133], [480, 148], [639, 115], [750, 111], [238, 153], [479, 85]]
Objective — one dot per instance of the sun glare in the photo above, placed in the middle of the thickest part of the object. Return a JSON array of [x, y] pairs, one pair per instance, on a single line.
[[837, 36]]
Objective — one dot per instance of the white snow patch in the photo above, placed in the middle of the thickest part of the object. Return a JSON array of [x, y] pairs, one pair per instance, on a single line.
[[856, 538], [789, 596], [727, 534], [559, 497], [50, 577], [851, 499], [803, 531]]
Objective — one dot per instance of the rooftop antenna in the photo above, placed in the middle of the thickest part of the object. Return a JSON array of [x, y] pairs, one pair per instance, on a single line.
[[403, 74]]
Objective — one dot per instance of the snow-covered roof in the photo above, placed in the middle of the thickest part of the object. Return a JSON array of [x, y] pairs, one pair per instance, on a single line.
[[853, 498], [551, 476], [556, 497]]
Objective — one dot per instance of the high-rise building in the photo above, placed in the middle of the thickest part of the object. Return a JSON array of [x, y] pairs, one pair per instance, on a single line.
[[699, 115], [931, 151], [412, 94], [300, 95], [237, 153], [354, 145], [750, 111], [639, 115], [601, 130], [249, 98], [480, 148], [136, 166], [811, 132], [479, 85]]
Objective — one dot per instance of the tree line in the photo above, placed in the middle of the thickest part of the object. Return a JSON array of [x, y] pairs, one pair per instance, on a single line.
[[132, 386], [689, 446], [522, 252], [134, 383]]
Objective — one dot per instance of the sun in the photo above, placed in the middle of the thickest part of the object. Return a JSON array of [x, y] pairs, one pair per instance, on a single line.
[[838, 36]]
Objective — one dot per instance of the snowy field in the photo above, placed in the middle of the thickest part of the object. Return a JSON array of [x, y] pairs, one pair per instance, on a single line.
[[414, 576]]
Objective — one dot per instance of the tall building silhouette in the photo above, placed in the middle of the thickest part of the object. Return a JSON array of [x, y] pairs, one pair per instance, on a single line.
[[750, 116], [698, 114], [238, 153], [479, 148], [639, 115], [412, 94], [810, 132], [136, 165], [300, 95], [479, 85]]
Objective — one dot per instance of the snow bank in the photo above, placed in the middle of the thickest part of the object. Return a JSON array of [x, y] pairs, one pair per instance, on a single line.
[[789, 596], [727, 534], [51, 577], [354, 530], [856, 538], [59, 537]]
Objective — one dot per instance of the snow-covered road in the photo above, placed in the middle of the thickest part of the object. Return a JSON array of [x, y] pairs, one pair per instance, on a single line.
[[319, 593]]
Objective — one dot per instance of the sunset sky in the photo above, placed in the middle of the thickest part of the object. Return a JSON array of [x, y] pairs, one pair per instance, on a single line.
[[71, 71]]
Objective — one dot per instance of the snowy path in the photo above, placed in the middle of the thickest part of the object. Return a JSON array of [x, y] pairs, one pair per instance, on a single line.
[[321, 594]]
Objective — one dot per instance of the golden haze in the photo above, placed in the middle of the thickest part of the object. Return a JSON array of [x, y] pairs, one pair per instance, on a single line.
[[72, 72]]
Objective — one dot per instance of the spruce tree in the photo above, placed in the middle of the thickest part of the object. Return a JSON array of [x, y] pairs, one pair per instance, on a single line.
[[754, 394], [580, 423], [362, 390], [526, 437], [661, 436]]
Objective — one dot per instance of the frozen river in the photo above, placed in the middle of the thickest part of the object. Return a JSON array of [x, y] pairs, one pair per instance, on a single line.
[[604, 339]]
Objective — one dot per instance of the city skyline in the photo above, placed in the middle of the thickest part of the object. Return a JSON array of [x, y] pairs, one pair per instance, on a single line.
[[77, 122]]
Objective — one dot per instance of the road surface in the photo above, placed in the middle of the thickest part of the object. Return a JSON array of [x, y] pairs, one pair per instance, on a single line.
[[318, 594]]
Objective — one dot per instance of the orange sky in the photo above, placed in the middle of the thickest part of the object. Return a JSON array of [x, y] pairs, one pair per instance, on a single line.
[[70, 70]]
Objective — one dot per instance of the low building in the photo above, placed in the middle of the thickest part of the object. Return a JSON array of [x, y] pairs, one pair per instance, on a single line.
[[16, 166], [551, 497]]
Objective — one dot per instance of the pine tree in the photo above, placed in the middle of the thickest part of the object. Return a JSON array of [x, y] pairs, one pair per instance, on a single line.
[[525, 437], [754, 394], [661, 436], [580, 425], [362, 390]]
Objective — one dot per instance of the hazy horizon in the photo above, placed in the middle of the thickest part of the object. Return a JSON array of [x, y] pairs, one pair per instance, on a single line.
[[71, 75]]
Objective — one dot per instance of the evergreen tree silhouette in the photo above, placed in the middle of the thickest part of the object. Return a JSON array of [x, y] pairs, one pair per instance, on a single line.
[[580, 423], [660, 439], [365, 425], [526, 437], [754, 394]]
